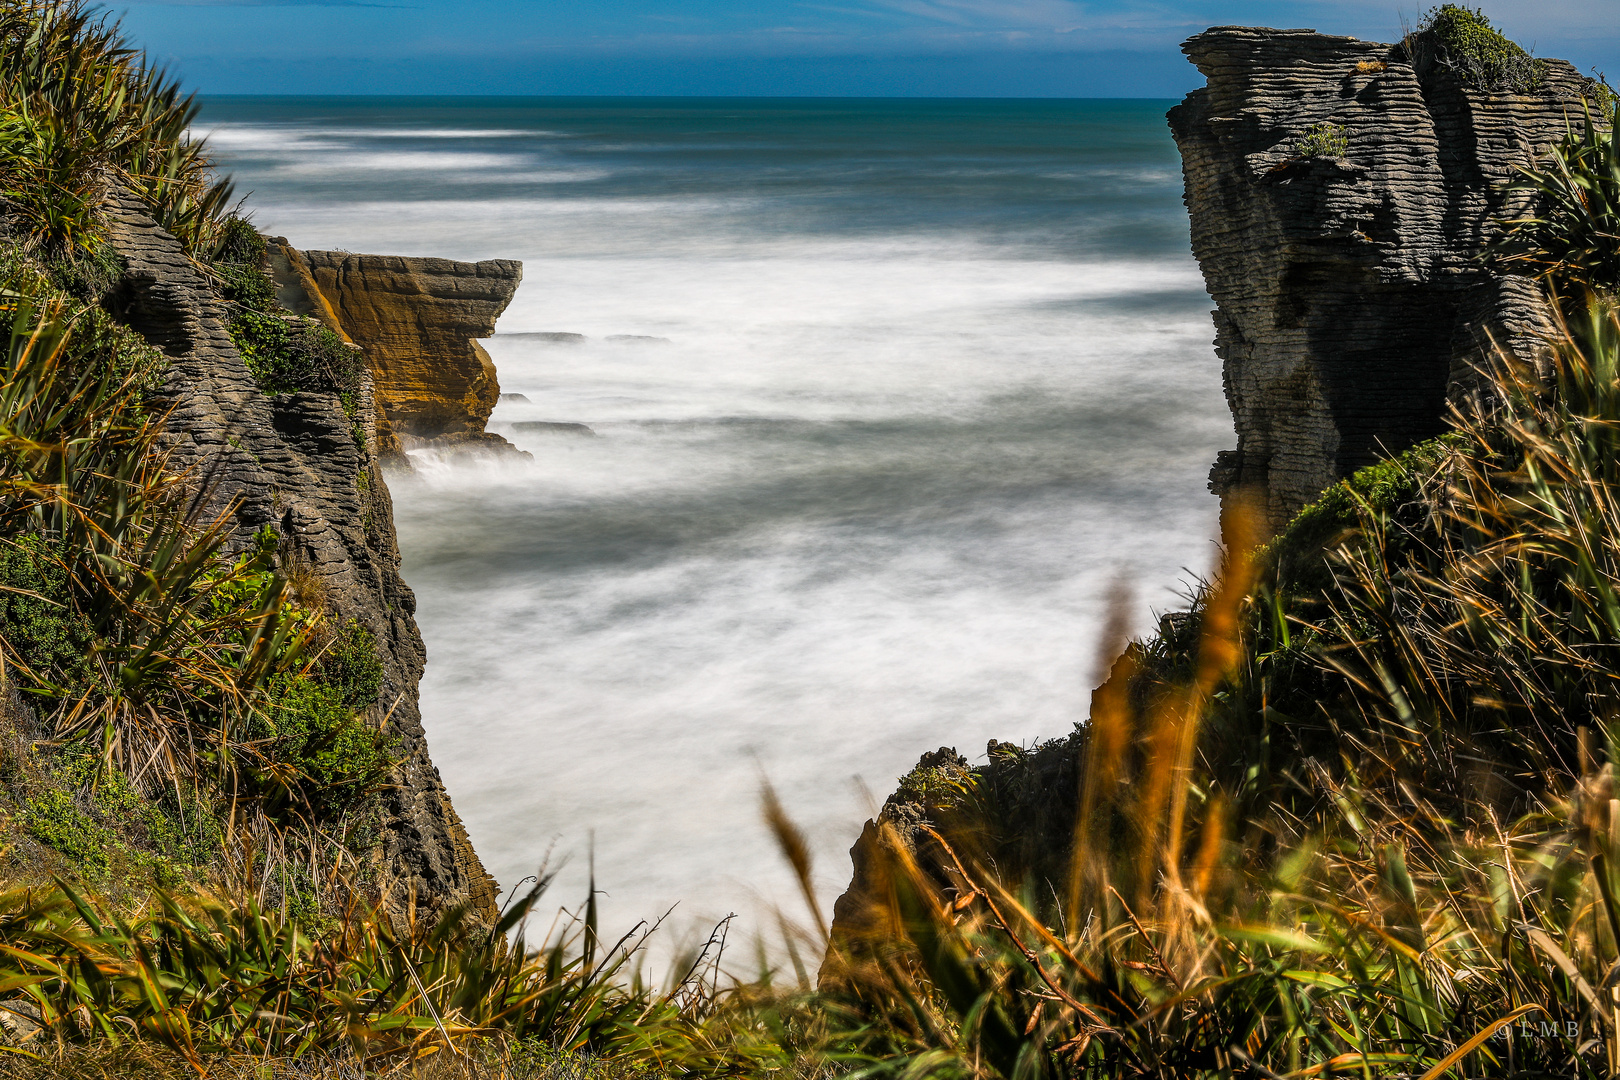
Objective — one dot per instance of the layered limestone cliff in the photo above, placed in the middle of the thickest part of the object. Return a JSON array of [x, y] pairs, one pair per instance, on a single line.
[[417, 320], [1350, 302], [292, 462]]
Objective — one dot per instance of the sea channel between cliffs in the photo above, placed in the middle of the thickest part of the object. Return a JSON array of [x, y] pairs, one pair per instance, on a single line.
[[854, 476]]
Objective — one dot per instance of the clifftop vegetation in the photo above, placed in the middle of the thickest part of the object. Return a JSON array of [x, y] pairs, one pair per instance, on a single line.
[[1462, 39]]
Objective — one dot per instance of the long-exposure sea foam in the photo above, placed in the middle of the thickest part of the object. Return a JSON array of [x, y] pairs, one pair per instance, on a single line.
[[932, 375]]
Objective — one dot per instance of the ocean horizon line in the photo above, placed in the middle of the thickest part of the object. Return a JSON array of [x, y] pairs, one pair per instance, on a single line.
[[688, 98]]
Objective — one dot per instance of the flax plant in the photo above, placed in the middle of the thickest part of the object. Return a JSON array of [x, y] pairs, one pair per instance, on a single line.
[[82, 115], [86, 486], [1570, 233]]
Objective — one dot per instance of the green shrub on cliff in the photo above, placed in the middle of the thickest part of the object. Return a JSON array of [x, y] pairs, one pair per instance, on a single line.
[[238, 263], [1323, 140], [319, 752], [349, 665], [1385, 490], [37, 618], [283, 352], [111, 834], [1462, 39], [287, 355]]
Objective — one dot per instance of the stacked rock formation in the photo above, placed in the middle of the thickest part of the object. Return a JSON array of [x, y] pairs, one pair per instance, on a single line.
[[1350, 302], [291, 463], [417, 320]]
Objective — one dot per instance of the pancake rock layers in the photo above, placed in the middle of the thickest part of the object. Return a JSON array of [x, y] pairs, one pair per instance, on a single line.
[[418, 320], [1350, 303]]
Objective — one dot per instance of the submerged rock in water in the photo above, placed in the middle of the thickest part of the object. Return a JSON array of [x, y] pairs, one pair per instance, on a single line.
[[468, 445], [639, 337], [516, 399], [554, 337], [550, 427]]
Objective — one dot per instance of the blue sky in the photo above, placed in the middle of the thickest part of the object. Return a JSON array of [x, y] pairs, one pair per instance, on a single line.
[[1037, 48]]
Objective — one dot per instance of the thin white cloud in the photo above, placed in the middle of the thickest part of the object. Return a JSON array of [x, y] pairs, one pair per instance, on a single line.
[[1028, 13], [262, 3]]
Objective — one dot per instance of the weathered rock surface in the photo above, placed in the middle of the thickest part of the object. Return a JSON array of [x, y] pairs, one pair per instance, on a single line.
[[292, 463], [1020, 813], [1349, 302], [417, 320]]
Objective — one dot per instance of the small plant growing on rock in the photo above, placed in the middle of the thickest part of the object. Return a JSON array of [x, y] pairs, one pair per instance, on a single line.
[[1370, 67], [1323, 140]]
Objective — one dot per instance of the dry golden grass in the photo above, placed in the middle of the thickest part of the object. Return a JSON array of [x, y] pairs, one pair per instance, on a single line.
[[145, 1061]]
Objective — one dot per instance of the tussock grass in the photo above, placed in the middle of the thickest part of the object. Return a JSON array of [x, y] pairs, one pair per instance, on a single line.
[[221, 982]]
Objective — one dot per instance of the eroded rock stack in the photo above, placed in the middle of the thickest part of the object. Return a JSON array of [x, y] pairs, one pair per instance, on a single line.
[[292, 462], [418, 320], [1350, 300]]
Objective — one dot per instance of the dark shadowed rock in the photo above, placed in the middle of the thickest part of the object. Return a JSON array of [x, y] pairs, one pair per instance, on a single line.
[[468, 445], [549, 427]]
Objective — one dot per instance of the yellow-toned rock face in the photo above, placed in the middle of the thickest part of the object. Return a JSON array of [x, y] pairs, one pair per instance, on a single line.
[[417, 320]]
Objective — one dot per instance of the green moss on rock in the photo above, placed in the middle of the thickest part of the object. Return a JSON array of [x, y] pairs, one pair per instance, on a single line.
[[1380, 491]]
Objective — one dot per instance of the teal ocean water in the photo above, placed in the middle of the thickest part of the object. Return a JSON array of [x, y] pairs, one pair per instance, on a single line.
[[887, 394]]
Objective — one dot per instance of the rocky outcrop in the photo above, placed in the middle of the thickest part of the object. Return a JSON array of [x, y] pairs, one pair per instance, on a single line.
[[293, 463], [1349, 299], [1018, 808], [418, 321]]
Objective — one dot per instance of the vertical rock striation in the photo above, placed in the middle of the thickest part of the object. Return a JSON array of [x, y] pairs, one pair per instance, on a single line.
[[417, 320], [1349, 300], [292, 462]]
